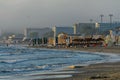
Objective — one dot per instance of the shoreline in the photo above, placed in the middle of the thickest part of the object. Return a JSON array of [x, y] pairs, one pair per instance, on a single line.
[[98, 71], [113, 50], [91, 49], [101, 71]]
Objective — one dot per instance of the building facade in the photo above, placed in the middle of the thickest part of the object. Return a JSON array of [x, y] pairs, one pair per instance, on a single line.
[[58, 30], [35, 32], [84, 28], [108, 26], [92, 28]]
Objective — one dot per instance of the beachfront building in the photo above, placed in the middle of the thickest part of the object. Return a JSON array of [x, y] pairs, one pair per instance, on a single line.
[[64, 39], [77, 40], [71, 38], [82, 41], [94, 28], [58, 30], [67, 35]]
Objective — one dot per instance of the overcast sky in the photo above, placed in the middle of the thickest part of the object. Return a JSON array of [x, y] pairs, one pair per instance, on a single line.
[[18, 14]]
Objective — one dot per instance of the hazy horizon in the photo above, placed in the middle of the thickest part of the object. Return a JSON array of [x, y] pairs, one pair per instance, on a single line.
[[15, 15]]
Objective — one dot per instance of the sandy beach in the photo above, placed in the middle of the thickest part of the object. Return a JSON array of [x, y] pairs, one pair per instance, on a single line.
[[103, 71], [113, 50], [100, 71]]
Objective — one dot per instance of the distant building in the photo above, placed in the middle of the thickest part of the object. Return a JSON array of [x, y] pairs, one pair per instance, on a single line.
[[81, 28], [35, 32], [92, 28], [107, 26], [15, 38], [58, 30]]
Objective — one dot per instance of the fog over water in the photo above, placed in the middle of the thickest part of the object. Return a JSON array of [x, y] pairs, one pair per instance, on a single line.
[[15, 15]]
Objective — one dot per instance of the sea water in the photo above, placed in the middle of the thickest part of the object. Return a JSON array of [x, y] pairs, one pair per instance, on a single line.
[[17, 61]]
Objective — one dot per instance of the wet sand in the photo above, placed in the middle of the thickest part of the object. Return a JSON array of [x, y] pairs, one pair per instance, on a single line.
[[101, 71], [104, 71]]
